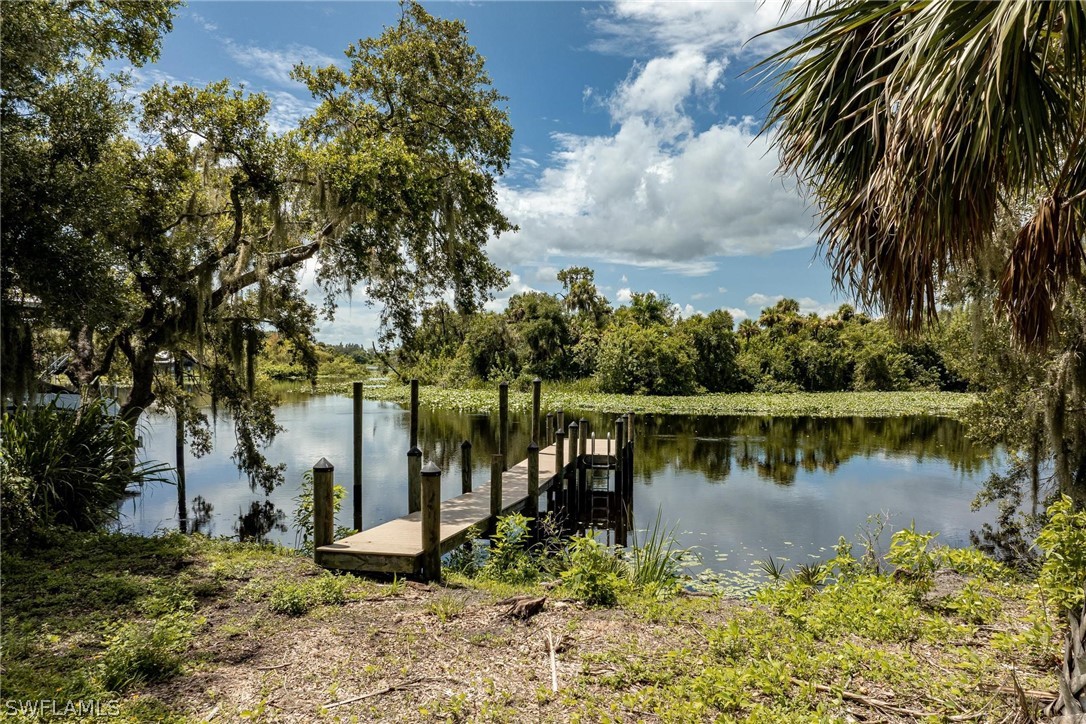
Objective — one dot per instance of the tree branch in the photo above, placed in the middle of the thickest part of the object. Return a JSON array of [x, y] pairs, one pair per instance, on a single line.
[[288, 259]]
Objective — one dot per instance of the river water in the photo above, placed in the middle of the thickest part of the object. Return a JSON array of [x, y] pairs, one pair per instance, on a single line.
[[735, 489]]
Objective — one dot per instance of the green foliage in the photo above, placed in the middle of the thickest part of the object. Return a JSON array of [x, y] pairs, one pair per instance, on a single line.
[[973, 604], [141, 651], [303, 514], [297, 598], [65, 468], [716, 348], [595, 572], [655, 562], [1063, 540], [910, 552], [654, 360], [509, 559]]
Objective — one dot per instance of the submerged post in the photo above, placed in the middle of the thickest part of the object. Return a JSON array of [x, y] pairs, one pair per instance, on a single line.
[[503, 424], [357, 390], [465, 467], [536, 385], [324, 524], [531, 508], [431, 522], [495, 490], [414, 479]]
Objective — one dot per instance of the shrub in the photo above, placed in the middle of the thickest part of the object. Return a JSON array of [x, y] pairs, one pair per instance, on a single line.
[[594, 573], [294, 599], [509, 560], [1063, 540], [654, 360], [65, 468]]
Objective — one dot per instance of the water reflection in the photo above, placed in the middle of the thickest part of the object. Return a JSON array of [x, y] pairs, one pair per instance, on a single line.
[[739, 488]]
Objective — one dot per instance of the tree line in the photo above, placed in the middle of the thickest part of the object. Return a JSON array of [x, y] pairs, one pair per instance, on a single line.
[[648, 347]]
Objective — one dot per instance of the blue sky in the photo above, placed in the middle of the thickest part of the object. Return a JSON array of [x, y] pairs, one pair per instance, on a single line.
[[635, 150]]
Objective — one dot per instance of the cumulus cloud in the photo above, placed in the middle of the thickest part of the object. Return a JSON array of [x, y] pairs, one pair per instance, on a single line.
[[624, 295], [658, 192], [738, 314]]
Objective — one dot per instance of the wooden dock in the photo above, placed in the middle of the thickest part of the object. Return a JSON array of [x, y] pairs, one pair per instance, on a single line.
[[397, 546]]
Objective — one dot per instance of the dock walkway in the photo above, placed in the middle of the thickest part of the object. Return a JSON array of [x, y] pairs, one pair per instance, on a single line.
[[397, 546]]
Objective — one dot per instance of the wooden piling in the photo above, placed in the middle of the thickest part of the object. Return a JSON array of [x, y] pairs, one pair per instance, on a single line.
[[414, 413], [357, 444], [496, 463], [503, 424], [531, 507], [179, 446], [414, 480], [465, 467], [324, 524], [536, 388], [548, 435], [431, 522], [620, 453], [560, 421], [560, 466], [572, 503]]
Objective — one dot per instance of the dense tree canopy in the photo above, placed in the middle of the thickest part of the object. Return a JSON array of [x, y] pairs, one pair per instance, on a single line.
[[180, 223]]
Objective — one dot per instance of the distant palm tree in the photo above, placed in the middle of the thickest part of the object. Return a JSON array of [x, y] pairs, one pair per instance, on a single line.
[[915, 122]]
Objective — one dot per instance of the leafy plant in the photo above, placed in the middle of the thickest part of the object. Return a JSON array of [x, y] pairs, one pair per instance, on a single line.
[[303, 514], [909, 551], [655, 563], [138, 652], [595, 572], [508, 559], [66, 468], [1063, 540], [294, 599]]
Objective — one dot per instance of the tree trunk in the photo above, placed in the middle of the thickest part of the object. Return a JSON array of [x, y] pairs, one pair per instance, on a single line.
[[142, 361]]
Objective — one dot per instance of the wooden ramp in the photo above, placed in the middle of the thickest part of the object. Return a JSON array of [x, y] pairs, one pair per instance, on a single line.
[[396, 546]]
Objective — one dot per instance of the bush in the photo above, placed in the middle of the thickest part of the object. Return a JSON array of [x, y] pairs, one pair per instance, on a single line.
[[509, 560], [594, 573], [1063, 540], [294, 599], [65, 468], [655, 360]]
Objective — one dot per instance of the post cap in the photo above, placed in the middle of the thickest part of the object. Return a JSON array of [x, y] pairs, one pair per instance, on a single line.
[[323, 466], [584, 419], [573, 425], [560, 432], [466, 443], [414, 453], [532, 447], [503, 383], [414, 381], [431, 469], [537, 381]]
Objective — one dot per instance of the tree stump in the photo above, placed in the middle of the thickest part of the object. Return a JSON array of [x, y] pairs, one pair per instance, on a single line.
[[1071, 704]]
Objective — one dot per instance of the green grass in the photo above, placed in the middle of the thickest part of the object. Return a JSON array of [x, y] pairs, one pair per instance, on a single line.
[[792, 404]]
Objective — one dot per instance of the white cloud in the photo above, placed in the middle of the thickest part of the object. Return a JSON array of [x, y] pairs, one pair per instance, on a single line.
[[546, 274], [738, 314], [658, 192], [275, 64], [721, 290], [687, 311], [203, 22], [286, 110], [624, 295], [698, 295], [763, 300]]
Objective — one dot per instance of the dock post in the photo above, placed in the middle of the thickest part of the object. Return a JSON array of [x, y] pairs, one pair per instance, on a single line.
[[547, 435], [503, 424], [531, 508], [465, 467], [179, 446], [414, 413], [629, 450], [324, 524], [414, 480], [582, 472], [571, 489], [560, 418], [414, 455], [620, 452], [560, 466], [431, 522], [495, 490], [536, 385], [357, 389]]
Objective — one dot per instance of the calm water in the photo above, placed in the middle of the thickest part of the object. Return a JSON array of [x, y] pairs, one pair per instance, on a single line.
[[737, 488]]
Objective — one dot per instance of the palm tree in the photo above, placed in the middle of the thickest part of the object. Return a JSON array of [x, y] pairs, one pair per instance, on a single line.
[[914, 122]]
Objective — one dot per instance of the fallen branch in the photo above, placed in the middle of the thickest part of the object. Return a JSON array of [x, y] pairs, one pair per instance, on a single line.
[[885, 705], [554, 666], [379, 692]]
